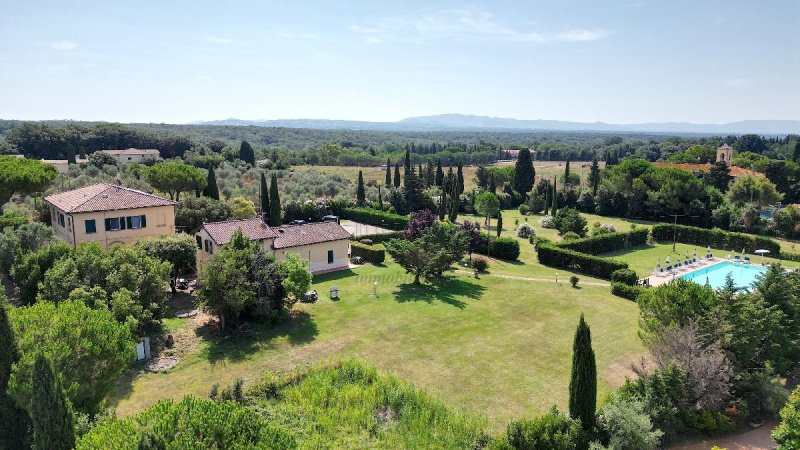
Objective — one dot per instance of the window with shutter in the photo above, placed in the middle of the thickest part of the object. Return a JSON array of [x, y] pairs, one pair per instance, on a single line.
[[91, 226], [199, 242], [143, 219]]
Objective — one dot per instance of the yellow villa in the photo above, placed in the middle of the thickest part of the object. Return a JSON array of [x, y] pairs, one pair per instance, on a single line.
[[109, 214], [325, 245]]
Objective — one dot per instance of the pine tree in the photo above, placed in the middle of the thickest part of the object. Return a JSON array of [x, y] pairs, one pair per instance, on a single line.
[[555, 197], [361, 197], [14, 422], [211, 190], [388, 173], [524, 173], [460, 175], [583, 381], [51, 413], [594, 175], [396, 175], [499, 223], [264, 194], [274, 203], [439, 173], [246, 153]]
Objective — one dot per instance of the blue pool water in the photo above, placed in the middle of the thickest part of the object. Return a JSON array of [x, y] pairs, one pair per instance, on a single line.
[[744, 275]]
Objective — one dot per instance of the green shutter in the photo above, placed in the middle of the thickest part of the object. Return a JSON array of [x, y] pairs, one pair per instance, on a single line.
[[144, 220], [108, 224], [128, 222]]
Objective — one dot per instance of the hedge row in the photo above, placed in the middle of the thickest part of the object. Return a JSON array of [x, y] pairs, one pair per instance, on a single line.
[[790, 256], [370, 253], [626, 291], [376, 217], [610, 242], [377, 238], [555, 256], [501, 248], [716, 238], [626, 276]]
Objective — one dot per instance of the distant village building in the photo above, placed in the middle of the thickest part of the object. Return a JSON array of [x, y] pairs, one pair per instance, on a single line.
[[324, 244], [62, 165], [725, 154], [134, 155], [109, 214]]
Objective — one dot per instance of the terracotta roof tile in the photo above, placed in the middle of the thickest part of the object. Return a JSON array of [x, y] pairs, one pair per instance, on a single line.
[[255, 229], [310, 233], [104, 197]]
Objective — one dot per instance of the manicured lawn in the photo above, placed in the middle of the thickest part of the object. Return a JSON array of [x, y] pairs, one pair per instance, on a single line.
[[496, 346]]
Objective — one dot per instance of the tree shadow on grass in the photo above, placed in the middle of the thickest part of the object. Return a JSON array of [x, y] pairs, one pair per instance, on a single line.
[[333, 276], [445, 290], [298, 327]]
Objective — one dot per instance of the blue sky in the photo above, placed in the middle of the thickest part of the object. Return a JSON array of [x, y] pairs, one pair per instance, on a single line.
[[180, 61]]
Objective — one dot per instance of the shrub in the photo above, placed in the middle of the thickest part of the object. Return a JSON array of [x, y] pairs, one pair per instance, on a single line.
[[605, 228], [365, 241], [715, 238], [628, 426], [376, 217], [570, 236], [626, 290], [480, 264], [547, 222], [626, 276], [525, 231], [377, 238], [606, 243], [790, 256], [549, 431], [713, 423], [554, 256], [569, 219], [502, 248], [370, 253], [524, 209], [573, 280], [787, 433]]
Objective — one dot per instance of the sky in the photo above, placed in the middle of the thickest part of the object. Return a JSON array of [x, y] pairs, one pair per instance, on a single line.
[[610, 61]]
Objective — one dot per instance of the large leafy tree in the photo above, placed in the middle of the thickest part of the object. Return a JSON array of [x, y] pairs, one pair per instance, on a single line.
[[51, 412], [87, 347], [583, 379], [756, 190], [524, 173], [178, 250], [211, 190], [242, 208], [28, 270], [15, 422], [275, 218], [718, 176], [419, 222], [175, 177], [23, 176], [193, 211], [488, 205], [787, 433], [432, 253], [296, 276], [246, 153]]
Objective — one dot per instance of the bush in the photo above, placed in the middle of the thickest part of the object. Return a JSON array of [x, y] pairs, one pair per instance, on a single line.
[[626, 276], [370, 253], [716, 238], [376, 217], [569, 219], [626, 290], [525, 231], [365, 241], [573, 280], [480, 264], [547, 222], [790, 256], [713, 423], [549, 431], [606, 243], [787, 433], [501, 248], [570, 236], [377, 238], [554, 256], [628, 426], [524, 209]]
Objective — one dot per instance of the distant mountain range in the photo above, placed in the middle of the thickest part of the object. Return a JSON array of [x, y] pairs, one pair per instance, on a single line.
[[462, 122]]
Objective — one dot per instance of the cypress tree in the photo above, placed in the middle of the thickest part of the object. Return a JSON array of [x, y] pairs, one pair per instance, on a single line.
[[380, 198], [566, 172], [274, 202], [524, 173], [408, 171], [397, 175], [492, 185], [14, 422], [555, 196], [388, 173], [361, 197], [51, 413], [499, 223], [455, 202], [421, 173], [246, 153], [594, 175], [546, 201], [443, 205], [264, 194], [439, 173], [211, 190], [797, 152], [583, 381], [460, 175]]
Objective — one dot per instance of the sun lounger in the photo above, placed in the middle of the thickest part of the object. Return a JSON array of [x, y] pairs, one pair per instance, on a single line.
[[747, 260]]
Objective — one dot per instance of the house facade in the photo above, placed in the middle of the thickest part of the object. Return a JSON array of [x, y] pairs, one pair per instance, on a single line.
[[134, 155], [325, 245], [109, 215]]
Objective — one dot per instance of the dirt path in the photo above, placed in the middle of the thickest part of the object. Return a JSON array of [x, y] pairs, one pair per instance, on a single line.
[[547, 280], [748, 439]]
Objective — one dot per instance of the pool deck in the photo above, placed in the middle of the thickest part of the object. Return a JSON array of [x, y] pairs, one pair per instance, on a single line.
[[655, 280]]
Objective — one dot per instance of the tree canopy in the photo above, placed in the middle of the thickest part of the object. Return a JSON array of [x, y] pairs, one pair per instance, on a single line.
[[174, 177], [23, 176]]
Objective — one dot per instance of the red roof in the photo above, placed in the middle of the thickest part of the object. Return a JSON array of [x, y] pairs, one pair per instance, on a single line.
[[104, 197], [733, 171], [309, 233], [255, 229]]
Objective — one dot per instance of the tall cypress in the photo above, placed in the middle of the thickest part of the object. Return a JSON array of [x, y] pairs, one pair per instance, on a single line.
[[455, 201], [14, 422], [264, 196], [388, 173], [439, 173], [492, 185], [397, 175], [583, 381], [555, 196], [499, 223], [524, 173], [594, 175], [797, 152], [211, 190], [460, 175], [566, 172], [246, 153], [443, 205], [408, 171], [421, 174], [361, 197], [51, 413], [274, 203], [380, 198]]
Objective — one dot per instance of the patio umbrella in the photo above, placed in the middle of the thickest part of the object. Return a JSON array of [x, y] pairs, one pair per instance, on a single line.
[[761, 252]]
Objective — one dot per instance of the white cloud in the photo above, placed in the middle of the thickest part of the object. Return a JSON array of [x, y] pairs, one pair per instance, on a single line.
[[465, 25], [64, 45], [218, 40]]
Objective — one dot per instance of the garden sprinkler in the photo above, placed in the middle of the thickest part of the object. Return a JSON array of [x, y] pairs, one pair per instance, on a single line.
[[375, 289]]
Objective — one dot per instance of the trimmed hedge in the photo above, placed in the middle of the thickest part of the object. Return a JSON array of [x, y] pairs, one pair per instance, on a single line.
[[370, 253], [564, 258], [377, 238], [716, 238], [790, 256], [502, 248], [626, 291], [376, 217], [626, 276], [608, 242]]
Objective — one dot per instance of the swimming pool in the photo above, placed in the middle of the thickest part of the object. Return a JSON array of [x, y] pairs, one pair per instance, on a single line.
[[744, 275]]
